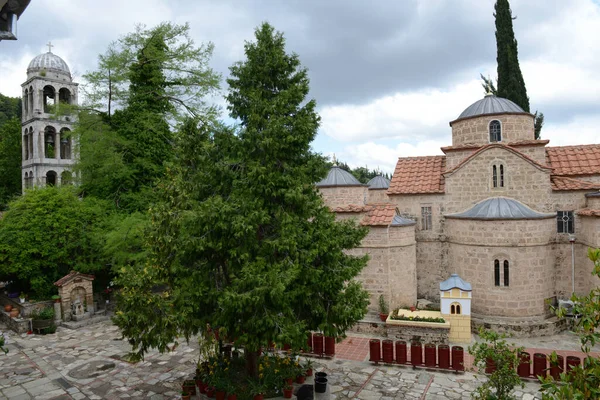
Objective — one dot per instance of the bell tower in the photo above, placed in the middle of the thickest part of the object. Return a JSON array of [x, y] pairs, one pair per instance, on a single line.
[[48, 146]]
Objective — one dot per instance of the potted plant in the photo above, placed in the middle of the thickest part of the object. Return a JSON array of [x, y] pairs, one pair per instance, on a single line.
[[8, 307], [413, 308], [288, 390], [42, 319], [56, 298], [22, 298], [189, 386], [185, 395], [308, 366], [256, 389], [384, 310]]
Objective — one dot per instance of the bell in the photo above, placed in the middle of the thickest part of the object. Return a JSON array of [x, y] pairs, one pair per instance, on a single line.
[[64, 140], [50, 139]]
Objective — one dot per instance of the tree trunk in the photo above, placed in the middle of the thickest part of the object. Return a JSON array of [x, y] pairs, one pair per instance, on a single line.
[[252, 363]]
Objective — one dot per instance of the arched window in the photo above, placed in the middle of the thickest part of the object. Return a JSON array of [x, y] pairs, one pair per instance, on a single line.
[[49, 142], [51, 178], [49, 96], [26, 180], [506, 273], [26, 102], [30, 100], [30, 143], [501, 175], [26, 145], [65, 144], [30, 179], [455, 308], [495, 176], [66, 178], [496, 273], [495, 131]]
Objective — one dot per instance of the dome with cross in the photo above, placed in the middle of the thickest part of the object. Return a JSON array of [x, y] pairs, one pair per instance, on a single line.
[[49, 63]]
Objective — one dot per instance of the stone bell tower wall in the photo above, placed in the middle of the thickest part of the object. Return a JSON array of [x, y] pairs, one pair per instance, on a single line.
[[475, 131]]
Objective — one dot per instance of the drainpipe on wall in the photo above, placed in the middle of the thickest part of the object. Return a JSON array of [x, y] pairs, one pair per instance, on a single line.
[[572, 240]]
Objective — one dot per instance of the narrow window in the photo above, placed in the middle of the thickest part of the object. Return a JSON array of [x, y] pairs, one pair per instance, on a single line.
[[495, 176], [501, 175], [425, 218], [565, 222], [496, 272], [505, 273], [452, 309], [458, 308], [495, 131]]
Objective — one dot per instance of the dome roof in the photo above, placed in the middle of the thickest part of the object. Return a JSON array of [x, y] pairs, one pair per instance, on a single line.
[[500, 208], [491, 104], [48, 61], [455, 281], [379, 182], [339, 177]]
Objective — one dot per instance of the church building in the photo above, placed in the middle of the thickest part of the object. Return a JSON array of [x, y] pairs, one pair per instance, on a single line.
[[48, 148], [507, 213]]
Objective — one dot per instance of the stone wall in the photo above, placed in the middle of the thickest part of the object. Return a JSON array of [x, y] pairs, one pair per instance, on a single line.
[[343, 195], [475, 130], [423, 334], [377, 196], [526, 244]]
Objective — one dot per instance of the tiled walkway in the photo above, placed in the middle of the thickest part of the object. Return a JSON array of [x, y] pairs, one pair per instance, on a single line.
[[87, 364]]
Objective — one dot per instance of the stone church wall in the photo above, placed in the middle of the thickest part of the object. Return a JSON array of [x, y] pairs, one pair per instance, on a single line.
[[377, 196], [472, 183], [526, 244], [343, 195], [475, 130]]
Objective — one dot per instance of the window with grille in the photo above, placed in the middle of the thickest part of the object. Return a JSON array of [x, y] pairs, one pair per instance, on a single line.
[[501, 276], [565, 222], [426, 218], [495, 131], [498, 177]]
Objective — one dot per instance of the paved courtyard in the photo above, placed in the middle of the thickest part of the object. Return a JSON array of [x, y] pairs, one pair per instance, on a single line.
[[87, 364]]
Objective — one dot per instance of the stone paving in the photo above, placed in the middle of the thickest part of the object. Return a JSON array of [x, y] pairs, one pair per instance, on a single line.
[[88, 364]]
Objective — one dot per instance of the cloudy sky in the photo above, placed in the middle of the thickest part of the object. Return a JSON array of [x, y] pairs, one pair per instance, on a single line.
[[388, 76]]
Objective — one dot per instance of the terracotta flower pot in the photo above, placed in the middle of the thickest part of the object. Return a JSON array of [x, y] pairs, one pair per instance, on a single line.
[[210, 392], [232, 397], [289, 381], [8, 307], [287, 393], [309, 372], [14, 313], [413, 308], [258, 397], [383, 317], [300, 379], [220, 395], [185, 397]]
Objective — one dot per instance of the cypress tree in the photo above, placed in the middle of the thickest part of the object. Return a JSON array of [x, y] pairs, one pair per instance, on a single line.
[[510, 79]]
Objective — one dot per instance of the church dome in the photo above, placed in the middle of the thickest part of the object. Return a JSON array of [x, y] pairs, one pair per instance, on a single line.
[[491, 104], [49, 62], [379, 182], [339, 177], [497, 208]]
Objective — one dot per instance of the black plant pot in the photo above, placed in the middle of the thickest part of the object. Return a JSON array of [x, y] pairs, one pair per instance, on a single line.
[[320, 385], [320, 374]]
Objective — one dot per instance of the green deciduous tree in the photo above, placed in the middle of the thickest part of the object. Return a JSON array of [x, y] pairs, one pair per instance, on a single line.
[[10, 107], [582, 382], [494, 350], [45, 234], [152, 77], [242, 239], [10, 160]]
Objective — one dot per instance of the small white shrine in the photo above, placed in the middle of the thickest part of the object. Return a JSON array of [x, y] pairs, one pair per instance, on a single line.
[[455, 306]]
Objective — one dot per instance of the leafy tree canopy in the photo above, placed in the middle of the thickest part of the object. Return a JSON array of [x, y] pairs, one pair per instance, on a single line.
[[186, 78], [10, 160], [45, 234], [242, 239], [10, 107]]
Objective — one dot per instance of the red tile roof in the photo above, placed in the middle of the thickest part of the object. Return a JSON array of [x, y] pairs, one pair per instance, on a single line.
[[563, 183], [574, 160], [415, 175], [588, 212], [511, 144], [72, 275], [379, 214], [350, 208]]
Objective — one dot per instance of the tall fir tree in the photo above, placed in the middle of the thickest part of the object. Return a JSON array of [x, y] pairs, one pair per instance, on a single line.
[[510, 79], [242, 239]]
